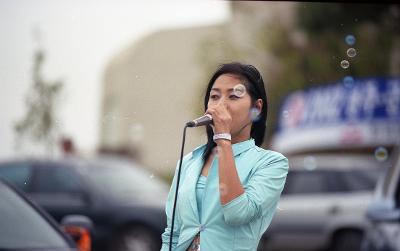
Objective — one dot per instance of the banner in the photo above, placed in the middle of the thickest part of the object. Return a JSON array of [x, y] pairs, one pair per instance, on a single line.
[[349, 113]]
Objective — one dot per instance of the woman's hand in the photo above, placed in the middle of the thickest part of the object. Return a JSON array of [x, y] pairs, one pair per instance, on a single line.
[[222, 119]]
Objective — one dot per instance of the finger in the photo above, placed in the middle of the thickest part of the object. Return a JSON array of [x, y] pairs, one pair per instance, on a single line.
[[210, 111]]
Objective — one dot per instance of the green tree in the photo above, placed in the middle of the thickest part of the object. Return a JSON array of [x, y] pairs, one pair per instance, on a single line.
[[38, 126]]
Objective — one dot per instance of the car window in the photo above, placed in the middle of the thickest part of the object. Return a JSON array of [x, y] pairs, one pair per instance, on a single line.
[[121, 180], [305, 182], [17, 173], [360, 180], [29, 230], [52, 178], [330, 181]]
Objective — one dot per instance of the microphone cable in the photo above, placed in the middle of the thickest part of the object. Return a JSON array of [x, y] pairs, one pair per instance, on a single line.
[[177, 187]]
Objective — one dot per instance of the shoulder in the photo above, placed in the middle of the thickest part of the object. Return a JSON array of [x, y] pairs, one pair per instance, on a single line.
[[195, 153], [269, 157]]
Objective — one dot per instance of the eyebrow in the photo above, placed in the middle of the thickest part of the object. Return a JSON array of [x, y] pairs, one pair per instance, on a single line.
[[218, 90]]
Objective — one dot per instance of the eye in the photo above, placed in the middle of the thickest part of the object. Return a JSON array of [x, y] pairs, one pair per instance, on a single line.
[[233, 97], [214, 96]]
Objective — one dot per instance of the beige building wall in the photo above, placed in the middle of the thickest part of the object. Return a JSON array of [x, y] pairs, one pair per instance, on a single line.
[[150, 91]]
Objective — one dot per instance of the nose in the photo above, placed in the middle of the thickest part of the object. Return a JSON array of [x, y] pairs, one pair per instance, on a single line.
[[225, 102]]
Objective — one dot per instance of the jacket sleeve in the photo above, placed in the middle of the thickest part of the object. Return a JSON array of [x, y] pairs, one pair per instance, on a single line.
[[261, 194], [168, 210]]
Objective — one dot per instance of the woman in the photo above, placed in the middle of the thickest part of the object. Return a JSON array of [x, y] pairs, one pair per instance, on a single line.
[[229, 187]]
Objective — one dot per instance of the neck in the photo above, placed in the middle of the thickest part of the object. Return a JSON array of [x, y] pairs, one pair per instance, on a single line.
[[242, 135]]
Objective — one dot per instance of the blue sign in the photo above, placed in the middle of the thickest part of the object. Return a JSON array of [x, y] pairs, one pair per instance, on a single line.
[[350, 101]]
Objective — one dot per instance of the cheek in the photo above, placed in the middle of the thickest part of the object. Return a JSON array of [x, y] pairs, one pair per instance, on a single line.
[[239, 114]]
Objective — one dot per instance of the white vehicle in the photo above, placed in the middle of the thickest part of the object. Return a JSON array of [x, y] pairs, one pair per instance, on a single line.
[[323, 203]]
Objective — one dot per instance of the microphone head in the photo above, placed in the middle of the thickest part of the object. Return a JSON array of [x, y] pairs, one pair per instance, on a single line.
[[190, 124], [203, 120]]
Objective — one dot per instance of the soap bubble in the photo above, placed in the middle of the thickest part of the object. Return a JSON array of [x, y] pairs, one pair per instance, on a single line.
[[285, 114], [381, 154], [344, 64], [351, 52], [348, 81], [223, 189], [350, 40], [254, 114], [239, 90], [310, 163]]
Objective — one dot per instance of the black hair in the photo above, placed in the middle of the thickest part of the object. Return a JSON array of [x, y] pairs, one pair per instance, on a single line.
[[254, 84]]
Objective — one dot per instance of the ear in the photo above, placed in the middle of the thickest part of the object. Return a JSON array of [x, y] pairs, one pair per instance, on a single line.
[[258, 104]]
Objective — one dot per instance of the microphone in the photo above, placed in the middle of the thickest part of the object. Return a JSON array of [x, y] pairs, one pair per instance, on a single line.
[[203, 120]]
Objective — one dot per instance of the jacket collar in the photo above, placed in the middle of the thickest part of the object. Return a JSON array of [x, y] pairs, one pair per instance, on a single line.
[[237, 148]]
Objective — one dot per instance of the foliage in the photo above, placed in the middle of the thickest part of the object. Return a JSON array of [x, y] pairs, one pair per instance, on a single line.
[[39, 124]]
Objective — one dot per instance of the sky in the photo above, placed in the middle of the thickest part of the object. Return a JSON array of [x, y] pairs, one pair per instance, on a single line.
[[79, 39]]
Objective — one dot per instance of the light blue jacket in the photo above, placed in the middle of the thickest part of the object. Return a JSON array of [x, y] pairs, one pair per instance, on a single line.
[[237, 225]]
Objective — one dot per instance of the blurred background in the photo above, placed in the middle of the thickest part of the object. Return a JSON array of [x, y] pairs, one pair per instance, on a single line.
[[95, 95]]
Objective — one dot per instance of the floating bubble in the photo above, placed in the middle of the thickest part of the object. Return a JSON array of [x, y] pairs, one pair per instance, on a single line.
[[348, 81], [350, 40], [223, 189], [254, 114], [285, 114], [381, 154], [344, 64], [310, 163], [239, 90], [351, 52]]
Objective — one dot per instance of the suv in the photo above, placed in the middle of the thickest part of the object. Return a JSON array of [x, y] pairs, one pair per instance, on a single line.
[[383, 214], [323, 203]]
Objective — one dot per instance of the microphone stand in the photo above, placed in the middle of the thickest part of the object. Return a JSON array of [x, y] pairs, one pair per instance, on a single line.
[[177, 187]]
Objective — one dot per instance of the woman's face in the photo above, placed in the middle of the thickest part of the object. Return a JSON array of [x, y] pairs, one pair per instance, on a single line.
[[228, 88]]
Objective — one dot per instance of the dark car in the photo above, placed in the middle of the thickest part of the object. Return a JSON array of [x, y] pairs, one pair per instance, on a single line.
[[24, 226], [124, 201], [383, 213]]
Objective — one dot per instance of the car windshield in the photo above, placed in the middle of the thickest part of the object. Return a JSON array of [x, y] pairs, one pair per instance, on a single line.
[[330, 181], [121, 180], [22, 227]]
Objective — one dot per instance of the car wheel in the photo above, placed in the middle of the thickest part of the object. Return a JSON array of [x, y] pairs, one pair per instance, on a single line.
[[349, 240], [137, 238]]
